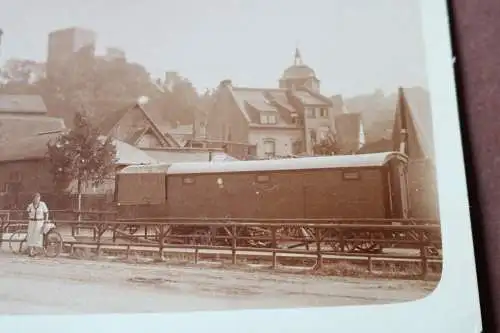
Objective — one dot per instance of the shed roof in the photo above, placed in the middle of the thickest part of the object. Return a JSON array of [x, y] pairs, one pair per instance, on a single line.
[[15, 127], [35, 148], [20, 104]]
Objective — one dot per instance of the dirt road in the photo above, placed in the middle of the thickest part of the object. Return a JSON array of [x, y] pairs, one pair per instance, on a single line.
[[62, 285]]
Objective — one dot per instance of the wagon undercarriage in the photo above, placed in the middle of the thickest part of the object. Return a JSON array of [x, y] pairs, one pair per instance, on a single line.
[[338, 240]]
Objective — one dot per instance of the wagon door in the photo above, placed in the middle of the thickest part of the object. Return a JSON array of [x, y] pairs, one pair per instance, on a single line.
[[403, 182]]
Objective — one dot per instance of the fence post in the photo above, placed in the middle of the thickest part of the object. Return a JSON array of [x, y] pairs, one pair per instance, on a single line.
[[78, 219], [341, 240], [100, 231], [274, 245], [319, 259], [2, 226], [162, 240], [423, 255], [233, 243]]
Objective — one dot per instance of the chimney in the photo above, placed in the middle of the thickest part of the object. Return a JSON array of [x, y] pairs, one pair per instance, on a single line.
[[225, 83]]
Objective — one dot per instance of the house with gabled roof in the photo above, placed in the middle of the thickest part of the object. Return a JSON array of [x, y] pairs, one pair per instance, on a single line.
[[24, 115], [133, 125], [412, 135], [283, 121]]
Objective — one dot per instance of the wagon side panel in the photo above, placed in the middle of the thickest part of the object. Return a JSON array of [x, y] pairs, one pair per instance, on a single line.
[[344, 193]]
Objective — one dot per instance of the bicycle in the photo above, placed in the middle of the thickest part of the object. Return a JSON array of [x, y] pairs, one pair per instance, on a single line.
[[52, 241]]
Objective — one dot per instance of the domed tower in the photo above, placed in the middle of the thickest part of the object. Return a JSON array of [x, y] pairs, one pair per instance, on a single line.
[[299, 74]]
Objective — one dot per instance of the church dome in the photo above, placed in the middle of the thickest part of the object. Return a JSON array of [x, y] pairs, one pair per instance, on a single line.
[[298, 71]]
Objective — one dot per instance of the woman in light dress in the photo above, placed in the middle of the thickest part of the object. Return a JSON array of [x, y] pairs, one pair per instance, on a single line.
[[38, 214]]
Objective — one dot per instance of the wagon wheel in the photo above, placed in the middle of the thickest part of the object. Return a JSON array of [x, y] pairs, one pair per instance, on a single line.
[[334, 240], [296, 234], [365, 246], [201, 237], [253, 232], [259, 232], [132, 228]]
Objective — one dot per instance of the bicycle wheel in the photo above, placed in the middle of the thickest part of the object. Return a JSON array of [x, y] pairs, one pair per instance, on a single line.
[[17, 242], [53, 244]]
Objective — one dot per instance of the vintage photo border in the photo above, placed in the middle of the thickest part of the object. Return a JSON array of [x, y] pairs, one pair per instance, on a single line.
[[452, 307]]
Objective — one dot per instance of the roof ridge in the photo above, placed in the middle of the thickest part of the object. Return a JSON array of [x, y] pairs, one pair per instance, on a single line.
[[258, 89], [240, 107], [164, 136]]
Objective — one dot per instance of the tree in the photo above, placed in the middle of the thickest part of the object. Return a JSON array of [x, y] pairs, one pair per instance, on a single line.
[[81, 155], [326, 147], [85, 83]]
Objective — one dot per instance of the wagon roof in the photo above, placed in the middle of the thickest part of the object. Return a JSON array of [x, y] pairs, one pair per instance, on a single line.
[[307, 163], [150, 168]]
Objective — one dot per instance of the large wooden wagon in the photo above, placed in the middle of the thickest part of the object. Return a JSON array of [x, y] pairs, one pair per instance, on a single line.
[[367, 186]]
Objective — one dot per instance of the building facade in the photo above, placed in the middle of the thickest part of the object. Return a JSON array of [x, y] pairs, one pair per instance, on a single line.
[[288, 120]]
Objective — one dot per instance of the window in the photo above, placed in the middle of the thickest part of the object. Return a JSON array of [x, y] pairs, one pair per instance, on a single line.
[[272, 119], [188, 180], [323, 112], [311, 113], [268, 119], [350, 175], [262, 178], [269, 148]]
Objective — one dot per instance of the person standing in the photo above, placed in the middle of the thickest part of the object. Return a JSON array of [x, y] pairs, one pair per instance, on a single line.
[[38, 214]]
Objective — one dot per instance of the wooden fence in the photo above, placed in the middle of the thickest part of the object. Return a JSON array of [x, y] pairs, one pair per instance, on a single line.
[[106, 231]]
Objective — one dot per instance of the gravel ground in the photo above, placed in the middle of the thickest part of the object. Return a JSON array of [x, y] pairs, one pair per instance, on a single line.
[[63, 285]]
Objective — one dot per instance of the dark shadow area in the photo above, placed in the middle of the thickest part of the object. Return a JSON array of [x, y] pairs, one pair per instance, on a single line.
[[471, 168]]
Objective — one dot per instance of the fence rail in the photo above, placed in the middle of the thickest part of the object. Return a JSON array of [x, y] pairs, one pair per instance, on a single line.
[[319, 240]]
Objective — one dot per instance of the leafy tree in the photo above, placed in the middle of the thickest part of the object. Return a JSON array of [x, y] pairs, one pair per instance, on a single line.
[[176, 101], [81, 155], [326, 147], [20, 76], [94, 85]]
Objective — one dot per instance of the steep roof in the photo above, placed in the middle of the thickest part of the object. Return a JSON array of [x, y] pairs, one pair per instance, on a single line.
[[113, 118], [252, 101], [22, 104], [414, 115]]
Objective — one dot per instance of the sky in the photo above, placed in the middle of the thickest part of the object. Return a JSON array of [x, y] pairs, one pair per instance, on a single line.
[[354, 46]]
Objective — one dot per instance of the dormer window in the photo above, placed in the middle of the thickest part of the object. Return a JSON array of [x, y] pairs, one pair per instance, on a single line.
[[268, 118]]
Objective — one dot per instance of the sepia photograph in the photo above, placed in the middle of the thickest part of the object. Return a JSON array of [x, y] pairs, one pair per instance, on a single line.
[[168, 156]]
